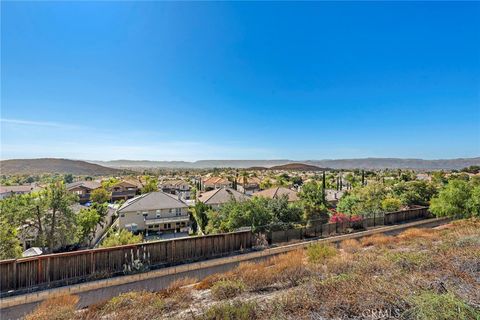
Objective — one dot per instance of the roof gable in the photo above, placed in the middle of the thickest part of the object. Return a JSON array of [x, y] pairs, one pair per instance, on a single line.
[[152, 201]]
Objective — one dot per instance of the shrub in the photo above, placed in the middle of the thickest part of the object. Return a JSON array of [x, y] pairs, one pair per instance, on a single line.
[[432, 306], [209, 281], [410, 260], [226, 289], [60, 308], [377, 240], [319, 252], [178, 285], [350, 245], [231, 311], [416, 233], [131, 299], [289, 268]]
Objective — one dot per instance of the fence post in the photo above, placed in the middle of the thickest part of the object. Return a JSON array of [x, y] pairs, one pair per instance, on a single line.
[[374, 219]]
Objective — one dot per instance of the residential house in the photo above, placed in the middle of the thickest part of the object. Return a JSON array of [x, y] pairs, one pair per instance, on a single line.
[[177, 187], [215, 183], [277, 192], [83, 189], [154, 212], [333, 196], [218, 197], [125, 190], [7, 191], [248, 186]]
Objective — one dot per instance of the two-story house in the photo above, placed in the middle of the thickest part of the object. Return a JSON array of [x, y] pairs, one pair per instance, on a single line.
[[177, 187], [83, 189], [125, 190], [248, 185], [154, 212], [215, 183]]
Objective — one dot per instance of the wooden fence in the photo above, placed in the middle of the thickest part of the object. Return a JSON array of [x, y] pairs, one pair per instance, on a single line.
[[52, 270], [330, 229]]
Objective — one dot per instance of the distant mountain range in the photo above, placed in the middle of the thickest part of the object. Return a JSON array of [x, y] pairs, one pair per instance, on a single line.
[[117, 167], [51, 165], [365, 163]]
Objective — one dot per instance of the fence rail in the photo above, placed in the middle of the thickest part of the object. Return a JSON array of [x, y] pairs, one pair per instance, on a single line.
[[329, 229], [52, 270]]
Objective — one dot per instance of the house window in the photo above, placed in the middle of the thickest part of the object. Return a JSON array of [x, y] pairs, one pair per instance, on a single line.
[[165, 226]]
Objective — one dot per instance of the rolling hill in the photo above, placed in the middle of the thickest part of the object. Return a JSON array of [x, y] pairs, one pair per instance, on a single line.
[[297, 167], [364, 163], [52, 165]]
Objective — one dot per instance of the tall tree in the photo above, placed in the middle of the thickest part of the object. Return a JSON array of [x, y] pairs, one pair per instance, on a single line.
[[10, 247], [87, 221], [100, 195], [59, 217], [312, 198], [452, 200]]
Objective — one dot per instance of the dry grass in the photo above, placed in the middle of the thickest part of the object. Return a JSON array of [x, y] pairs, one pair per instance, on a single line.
[[378, 240], [62, 307], [393, 274], [183, 284], [417, 233], [350, 245]]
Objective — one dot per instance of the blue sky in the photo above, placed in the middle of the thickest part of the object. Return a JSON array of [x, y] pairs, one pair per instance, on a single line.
[[188, 81]]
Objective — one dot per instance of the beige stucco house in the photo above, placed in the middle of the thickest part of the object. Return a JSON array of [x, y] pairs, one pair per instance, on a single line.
[[154, 211]]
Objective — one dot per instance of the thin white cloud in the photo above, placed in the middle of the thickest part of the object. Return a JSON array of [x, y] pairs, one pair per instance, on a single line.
[[37, 123]]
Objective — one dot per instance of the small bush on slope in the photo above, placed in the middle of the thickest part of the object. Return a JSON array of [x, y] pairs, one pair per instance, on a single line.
[[57, 308], [231, 311], [227, 289], [319, 252], [350, 245], [377, 240], [432, 306]]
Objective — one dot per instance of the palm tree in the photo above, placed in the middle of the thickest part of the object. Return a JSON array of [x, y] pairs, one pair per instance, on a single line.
[[244, 179]]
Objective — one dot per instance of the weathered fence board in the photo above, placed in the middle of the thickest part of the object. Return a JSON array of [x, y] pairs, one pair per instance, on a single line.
[[66, 268]]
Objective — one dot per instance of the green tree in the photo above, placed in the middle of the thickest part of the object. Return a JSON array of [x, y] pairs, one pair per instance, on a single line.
[[233, 215], [87, 221], [59, 217], [313, 201], [10, 247], [414, 192], [119, 238], [100, 195], [266, 184], [151, 185], [282, 211], [391, 204], [348, 204], [19, 210], [473, 204], [68, 178], [452, 200], [199, 213]]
